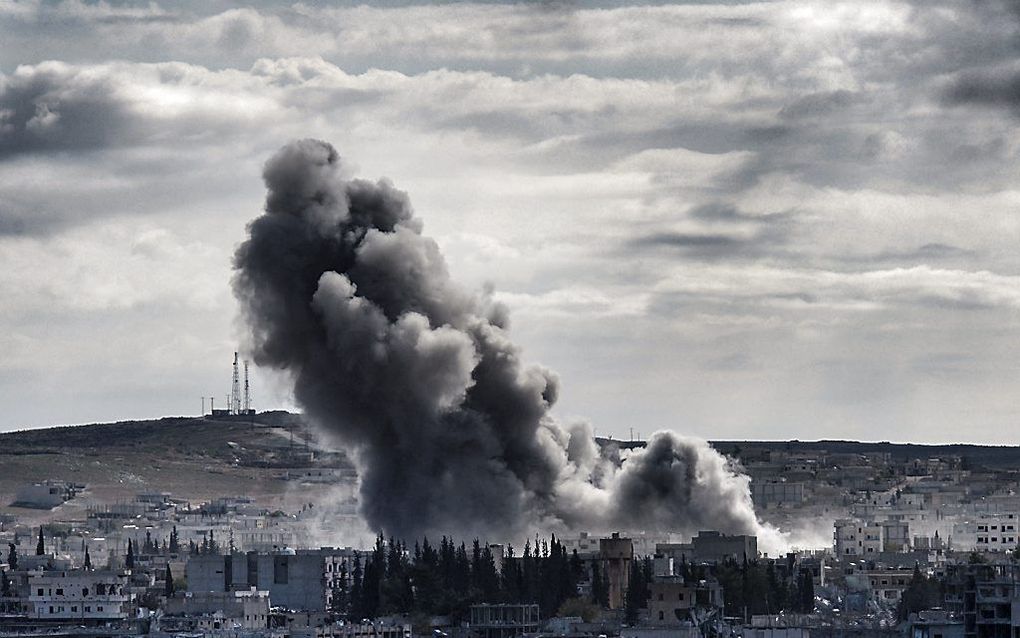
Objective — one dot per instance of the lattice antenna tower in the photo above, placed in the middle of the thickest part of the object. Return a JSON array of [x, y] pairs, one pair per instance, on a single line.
[[235, 390], [247, 389]]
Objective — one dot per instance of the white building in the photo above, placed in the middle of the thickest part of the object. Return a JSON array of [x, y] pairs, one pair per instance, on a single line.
[[987, 533], [78, 595], [45, 495], [857, 538]]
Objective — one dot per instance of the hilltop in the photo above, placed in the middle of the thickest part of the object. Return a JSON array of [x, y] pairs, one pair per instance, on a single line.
[[192, 457]]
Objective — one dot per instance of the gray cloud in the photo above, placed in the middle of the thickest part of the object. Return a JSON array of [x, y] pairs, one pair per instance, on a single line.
[[47, 111], [998, 88]]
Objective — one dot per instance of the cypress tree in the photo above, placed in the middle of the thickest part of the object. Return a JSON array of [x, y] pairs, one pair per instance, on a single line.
[[40, 547], [88, 559], [168, 585], [12, 556], [634, 598], [599, 590], [807, 592], [129, 560], [175, 546], [340, 602], [357, 592]]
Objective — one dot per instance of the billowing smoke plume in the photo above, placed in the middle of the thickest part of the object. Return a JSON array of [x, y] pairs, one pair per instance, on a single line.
[[452, 431]]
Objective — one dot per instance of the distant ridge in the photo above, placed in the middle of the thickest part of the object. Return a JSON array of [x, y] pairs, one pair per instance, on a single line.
[[1003, 457]]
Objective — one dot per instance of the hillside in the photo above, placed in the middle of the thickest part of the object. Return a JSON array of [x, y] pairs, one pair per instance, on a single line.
[[193, 458], [202, 458]]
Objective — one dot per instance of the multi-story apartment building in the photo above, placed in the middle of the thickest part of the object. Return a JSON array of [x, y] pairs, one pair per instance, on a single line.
[[987, 533], [295, 579], [78, 595], [855, 537]]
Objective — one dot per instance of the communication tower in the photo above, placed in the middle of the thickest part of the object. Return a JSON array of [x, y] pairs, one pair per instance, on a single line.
[[235, 390], [247, 390]]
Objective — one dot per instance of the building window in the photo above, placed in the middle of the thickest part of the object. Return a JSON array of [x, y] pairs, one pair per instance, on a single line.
[[60, 591], [661, 616], [40, 591]]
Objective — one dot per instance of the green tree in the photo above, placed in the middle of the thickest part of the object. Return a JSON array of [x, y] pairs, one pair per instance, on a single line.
[[12, 556], [168, 585], [579, 607], [599, 589], [636, 596], [340, 600], [807, 592], [922, 593], [357, 593], [175, 541]]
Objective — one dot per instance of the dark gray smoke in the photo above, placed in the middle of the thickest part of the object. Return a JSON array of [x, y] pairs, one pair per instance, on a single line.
[[452, 431]]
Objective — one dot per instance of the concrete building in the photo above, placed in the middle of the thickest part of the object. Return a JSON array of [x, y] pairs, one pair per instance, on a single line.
[[301, 579], [767, 493], [888, 585], [503, 621], [615, 556], [716, 547], [205, 611], [78, 595], [351, 630], [934, 624], [671, 600], [45, 495], [585, 545], [993, 532], [856, 538]]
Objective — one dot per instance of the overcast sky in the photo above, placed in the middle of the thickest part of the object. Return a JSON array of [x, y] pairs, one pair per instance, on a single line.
[[763, 220]]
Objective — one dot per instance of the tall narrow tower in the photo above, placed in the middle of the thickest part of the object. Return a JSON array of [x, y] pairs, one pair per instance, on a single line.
[[235, 390], [247, 390]]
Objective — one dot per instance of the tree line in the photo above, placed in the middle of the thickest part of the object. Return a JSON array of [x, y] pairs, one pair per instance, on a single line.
[[448, 578]]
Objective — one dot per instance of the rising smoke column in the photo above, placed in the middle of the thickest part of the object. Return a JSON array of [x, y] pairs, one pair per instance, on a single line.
[[452, 432]]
